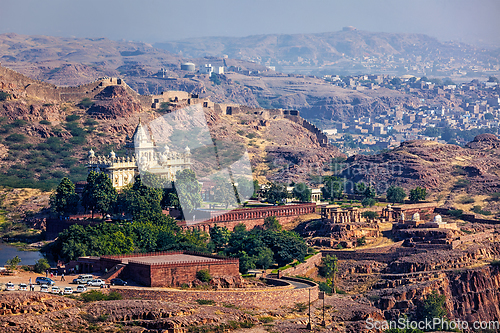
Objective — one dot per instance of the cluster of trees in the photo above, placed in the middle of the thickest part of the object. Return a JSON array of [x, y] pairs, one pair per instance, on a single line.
[[159, 234], [398, 194], [137, 200], [259, 248]]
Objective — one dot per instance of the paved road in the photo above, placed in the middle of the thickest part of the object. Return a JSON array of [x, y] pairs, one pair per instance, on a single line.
[[298, 285]]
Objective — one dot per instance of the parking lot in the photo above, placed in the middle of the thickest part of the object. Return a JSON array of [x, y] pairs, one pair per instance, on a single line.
[[24, 277]]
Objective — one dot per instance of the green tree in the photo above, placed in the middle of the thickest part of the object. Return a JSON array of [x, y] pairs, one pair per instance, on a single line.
[[368, 202], [360, 188], [396, 194], [64, 200], [264, 257], [370, 215], [276, 193], [272, 223], [418, 194], [332, 188], [140, 201], [12, 263], [302, 192], [99, 193], [434, 306], [219, 237], [41, 265], [189, 190], [370, 192], [330, 270], [224, 192], [492, 79]]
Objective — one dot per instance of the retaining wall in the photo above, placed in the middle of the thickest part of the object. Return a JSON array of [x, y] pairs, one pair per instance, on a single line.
[[303, 268], [265, 298]]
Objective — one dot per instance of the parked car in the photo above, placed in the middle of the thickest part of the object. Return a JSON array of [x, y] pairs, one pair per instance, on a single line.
[[44, 280], [84, 278], [81, 288], [44, 288], [118, 282], [68, 291], [55, 290], [96, 283], [10, 286], [23, 286]]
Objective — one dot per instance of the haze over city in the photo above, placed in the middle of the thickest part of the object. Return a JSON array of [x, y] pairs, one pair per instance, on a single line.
[[156, 21]]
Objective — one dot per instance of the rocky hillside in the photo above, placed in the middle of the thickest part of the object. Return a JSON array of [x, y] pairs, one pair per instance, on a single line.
[[46, 131], [447, 170]]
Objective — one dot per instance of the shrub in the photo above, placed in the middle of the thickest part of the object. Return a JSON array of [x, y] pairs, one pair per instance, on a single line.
[[466, 200], [12, 263], [16, 138], [203, 275], [85, 103], [19, 123], [361, 241], [266, 319], [368, 202], [41, 265], [205, 302], [72, 117], [90, 122], [299, 307], [455, 212], [3, 96]]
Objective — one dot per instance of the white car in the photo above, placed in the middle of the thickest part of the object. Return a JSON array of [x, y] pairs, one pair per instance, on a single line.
[[68, 291], [23, 286], [44, 288], [55, 290], [10, 286], [81, 288], [96, 283]]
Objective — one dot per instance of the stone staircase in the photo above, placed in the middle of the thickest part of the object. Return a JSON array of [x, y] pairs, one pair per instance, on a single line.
[[113, 272]]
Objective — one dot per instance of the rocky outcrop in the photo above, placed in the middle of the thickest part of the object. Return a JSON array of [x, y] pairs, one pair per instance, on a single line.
[[114, 102], [431, 165]]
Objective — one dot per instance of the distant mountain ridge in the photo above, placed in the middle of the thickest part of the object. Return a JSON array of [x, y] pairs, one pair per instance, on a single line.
[[319, 48]]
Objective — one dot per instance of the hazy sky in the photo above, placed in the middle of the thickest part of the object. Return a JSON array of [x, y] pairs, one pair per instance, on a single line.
[[160, 20]]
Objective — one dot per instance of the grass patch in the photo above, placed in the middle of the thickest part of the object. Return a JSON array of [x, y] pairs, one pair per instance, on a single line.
[[205, 302]]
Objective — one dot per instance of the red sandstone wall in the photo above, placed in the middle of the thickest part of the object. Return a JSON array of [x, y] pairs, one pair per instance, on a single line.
[[269, 298], [176, 275], [249, 223]]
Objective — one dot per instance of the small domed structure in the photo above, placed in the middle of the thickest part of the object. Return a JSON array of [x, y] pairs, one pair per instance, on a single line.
[[112, 155], [188, 151], [91, 153], [415, 217], [438, 219]]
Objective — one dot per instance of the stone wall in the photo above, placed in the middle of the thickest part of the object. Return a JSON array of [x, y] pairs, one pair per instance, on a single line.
[[303, 268], [265, 298], [252, 217]]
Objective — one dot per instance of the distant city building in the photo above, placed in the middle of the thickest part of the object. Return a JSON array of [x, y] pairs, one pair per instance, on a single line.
[[188, 66]]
